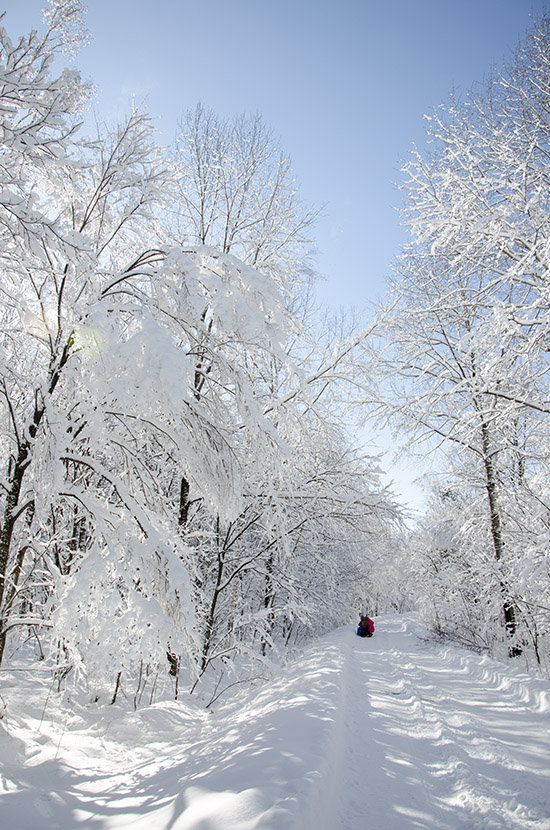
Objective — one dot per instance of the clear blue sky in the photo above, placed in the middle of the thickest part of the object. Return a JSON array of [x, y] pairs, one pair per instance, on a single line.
[[343, 83]]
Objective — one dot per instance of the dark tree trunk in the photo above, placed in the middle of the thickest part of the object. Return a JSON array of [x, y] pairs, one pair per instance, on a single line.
[[184, 502], [12, 508], [269, 597], [210, 622], [491, 484]]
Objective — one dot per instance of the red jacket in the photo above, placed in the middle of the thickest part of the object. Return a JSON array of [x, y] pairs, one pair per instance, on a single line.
[[366, 626]]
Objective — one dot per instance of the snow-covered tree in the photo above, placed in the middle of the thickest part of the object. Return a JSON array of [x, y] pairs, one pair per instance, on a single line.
[[176, 481], [101, 327], [467, 325], [268, 571], [238, 193], [37, 114]]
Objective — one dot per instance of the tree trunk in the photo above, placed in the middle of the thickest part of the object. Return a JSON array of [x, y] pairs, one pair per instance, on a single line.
[[12, 508], [215, 596], [269, 597], [184, 502], [491, 484], [10, 514]]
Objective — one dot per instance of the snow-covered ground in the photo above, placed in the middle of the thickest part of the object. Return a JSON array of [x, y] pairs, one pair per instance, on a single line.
[[391, 733]]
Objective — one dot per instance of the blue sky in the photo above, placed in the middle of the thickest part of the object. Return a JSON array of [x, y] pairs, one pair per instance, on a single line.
[[344, 84]]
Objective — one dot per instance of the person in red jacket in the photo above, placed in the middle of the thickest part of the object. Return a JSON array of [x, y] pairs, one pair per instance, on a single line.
[[365, 627]]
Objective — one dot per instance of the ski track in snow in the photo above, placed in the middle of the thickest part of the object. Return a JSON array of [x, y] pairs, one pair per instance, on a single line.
[[441, 738], [389, 733]]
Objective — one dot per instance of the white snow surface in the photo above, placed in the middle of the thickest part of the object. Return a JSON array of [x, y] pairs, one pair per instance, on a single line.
[[389, 733]]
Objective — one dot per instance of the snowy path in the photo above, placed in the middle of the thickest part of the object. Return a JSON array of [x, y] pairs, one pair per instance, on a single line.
[[391, 733], [441, 738]]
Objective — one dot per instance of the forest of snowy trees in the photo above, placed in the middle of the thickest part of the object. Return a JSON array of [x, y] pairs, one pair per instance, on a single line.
[[179, 488], [181, 496]]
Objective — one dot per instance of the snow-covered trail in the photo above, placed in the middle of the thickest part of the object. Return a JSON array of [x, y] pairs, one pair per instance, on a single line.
[[391, 733], [437, 737]]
